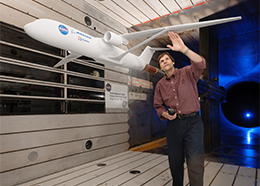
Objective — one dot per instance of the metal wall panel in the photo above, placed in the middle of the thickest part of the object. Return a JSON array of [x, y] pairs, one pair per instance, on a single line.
[[14, 17], [32, 139], [27, 123], [114, 76], [100, 17], [34, 155], [33, 146], [27, 173], [109, 13], [67, 10], [57, 10]]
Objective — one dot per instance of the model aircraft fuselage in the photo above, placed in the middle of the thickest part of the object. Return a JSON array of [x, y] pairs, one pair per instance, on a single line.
[[78, 43], [104, 49]]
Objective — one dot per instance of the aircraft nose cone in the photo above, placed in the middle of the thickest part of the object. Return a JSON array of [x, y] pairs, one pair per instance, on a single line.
[[35, 29], [28, 27]]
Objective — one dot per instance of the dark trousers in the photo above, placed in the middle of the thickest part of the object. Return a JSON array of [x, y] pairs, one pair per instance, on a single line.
[[185, 140]]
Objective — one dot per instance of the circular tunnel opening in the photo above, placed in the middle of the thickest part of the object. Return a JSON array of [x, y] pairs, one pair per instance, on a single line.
[[242, 104]]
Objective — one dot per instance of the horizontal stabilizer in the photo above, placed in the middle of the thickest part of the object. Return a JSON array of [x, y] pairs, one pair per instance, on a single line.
[[160, 49], [140, 44], [67, 59], [148, 53]]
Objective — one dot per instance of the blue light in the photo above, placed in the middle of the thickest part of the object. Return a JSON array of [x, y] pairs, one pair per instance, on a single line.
[[248, 115], [249, 137]]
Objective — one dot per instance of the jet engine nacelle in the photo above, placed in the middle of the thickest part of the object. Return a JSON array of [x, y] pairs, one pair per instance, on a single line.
[[114, 39]]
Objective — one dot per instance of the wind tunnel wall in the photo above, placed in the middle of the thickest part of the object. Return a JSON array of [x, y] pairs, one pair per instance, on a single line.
[[52, 119], [239, 69], [237, 48]]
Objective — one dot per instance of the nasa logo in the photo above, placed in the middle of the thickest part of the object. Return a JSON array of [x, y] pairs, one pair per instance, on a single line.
[[64, 30], [108, 87]]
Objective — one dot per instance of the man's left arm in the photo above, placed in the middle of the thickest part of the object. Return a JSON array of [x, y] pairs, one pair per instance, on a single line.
[[192, 55]]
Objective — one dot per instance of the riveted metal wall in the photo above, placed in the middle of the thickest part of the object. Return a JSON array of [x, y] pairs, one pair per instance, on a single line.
[[53, 119]]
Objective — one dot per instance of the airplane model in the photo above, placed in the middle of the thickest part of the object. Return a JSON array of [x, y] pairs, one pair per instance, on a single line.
[[105, 49]]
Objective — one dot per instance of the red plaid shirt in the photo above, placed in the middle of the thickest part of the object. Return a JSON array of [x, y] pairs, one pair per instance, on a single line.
[[179, 92]]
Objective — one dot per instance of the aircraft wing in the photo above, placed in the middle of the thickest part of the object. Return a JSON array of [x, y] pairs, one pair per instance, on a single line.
[[68, 58], [176, 28]]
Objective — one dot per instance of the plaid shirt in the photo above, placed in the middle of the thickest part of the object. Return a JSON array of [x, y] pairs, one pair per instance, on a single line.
[[179, 92]]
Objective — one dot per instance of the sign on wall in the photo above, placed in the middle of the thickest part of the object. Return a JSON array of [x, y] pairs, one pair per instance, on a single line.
[[116, 95]]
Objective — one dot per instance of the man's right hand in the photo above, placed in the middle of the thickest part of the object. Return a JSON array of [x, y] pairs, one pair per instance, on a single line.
[[168, 116]]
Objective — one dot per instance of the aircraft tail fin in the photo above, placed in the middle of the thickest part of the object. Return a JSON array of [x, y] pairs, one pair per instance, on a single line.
[[148, 53], [147, 56], [68, 58]]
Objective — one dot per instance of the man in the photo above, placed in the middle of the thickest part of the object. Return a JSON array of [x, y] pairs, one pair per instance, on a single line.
[[178, 90]]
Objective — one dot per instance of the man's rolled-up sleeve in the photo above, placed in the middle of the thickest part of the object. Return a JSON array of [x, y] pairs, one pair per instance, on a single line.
[[197, 68]]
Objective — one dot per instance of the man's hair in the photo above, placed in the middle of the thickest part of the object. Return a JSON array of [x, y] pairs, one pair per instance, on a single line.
[[161, 55]]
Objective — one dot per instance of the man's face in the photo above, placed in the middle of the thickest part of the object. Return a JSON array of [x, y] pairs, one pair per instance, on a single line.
[[166, 63]]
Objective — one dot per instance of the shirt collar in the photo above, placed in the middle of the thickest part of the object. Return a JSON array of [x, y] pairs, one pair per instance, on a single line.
[[173, 75]]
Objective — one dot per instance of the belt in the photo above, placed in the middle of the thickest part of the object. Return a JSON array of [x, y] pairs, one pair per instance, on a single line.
[[183, 116]]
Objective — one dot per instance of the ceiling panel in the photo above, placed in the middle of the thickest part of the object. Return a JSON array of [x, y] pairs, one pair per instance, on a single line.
[[143, 7], [107, 12], [114, 7], [132, 10], [135, 12], [184, 3], [197, 1], [172, 6], [157, 7]]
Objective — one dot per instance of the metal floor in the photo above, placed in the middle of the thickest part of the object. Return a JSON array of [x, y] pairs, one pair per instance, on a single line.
[[241, 155], [133, 168]]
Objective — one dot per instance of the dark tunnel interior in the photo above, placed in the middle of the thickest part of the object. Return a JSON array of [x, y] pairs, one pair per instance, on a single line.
[[242, 104], [239, 74]]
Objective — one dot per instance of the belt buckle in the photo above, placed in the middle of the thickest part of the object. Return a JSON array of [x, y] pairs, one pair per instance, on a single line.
[[180, 116]]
